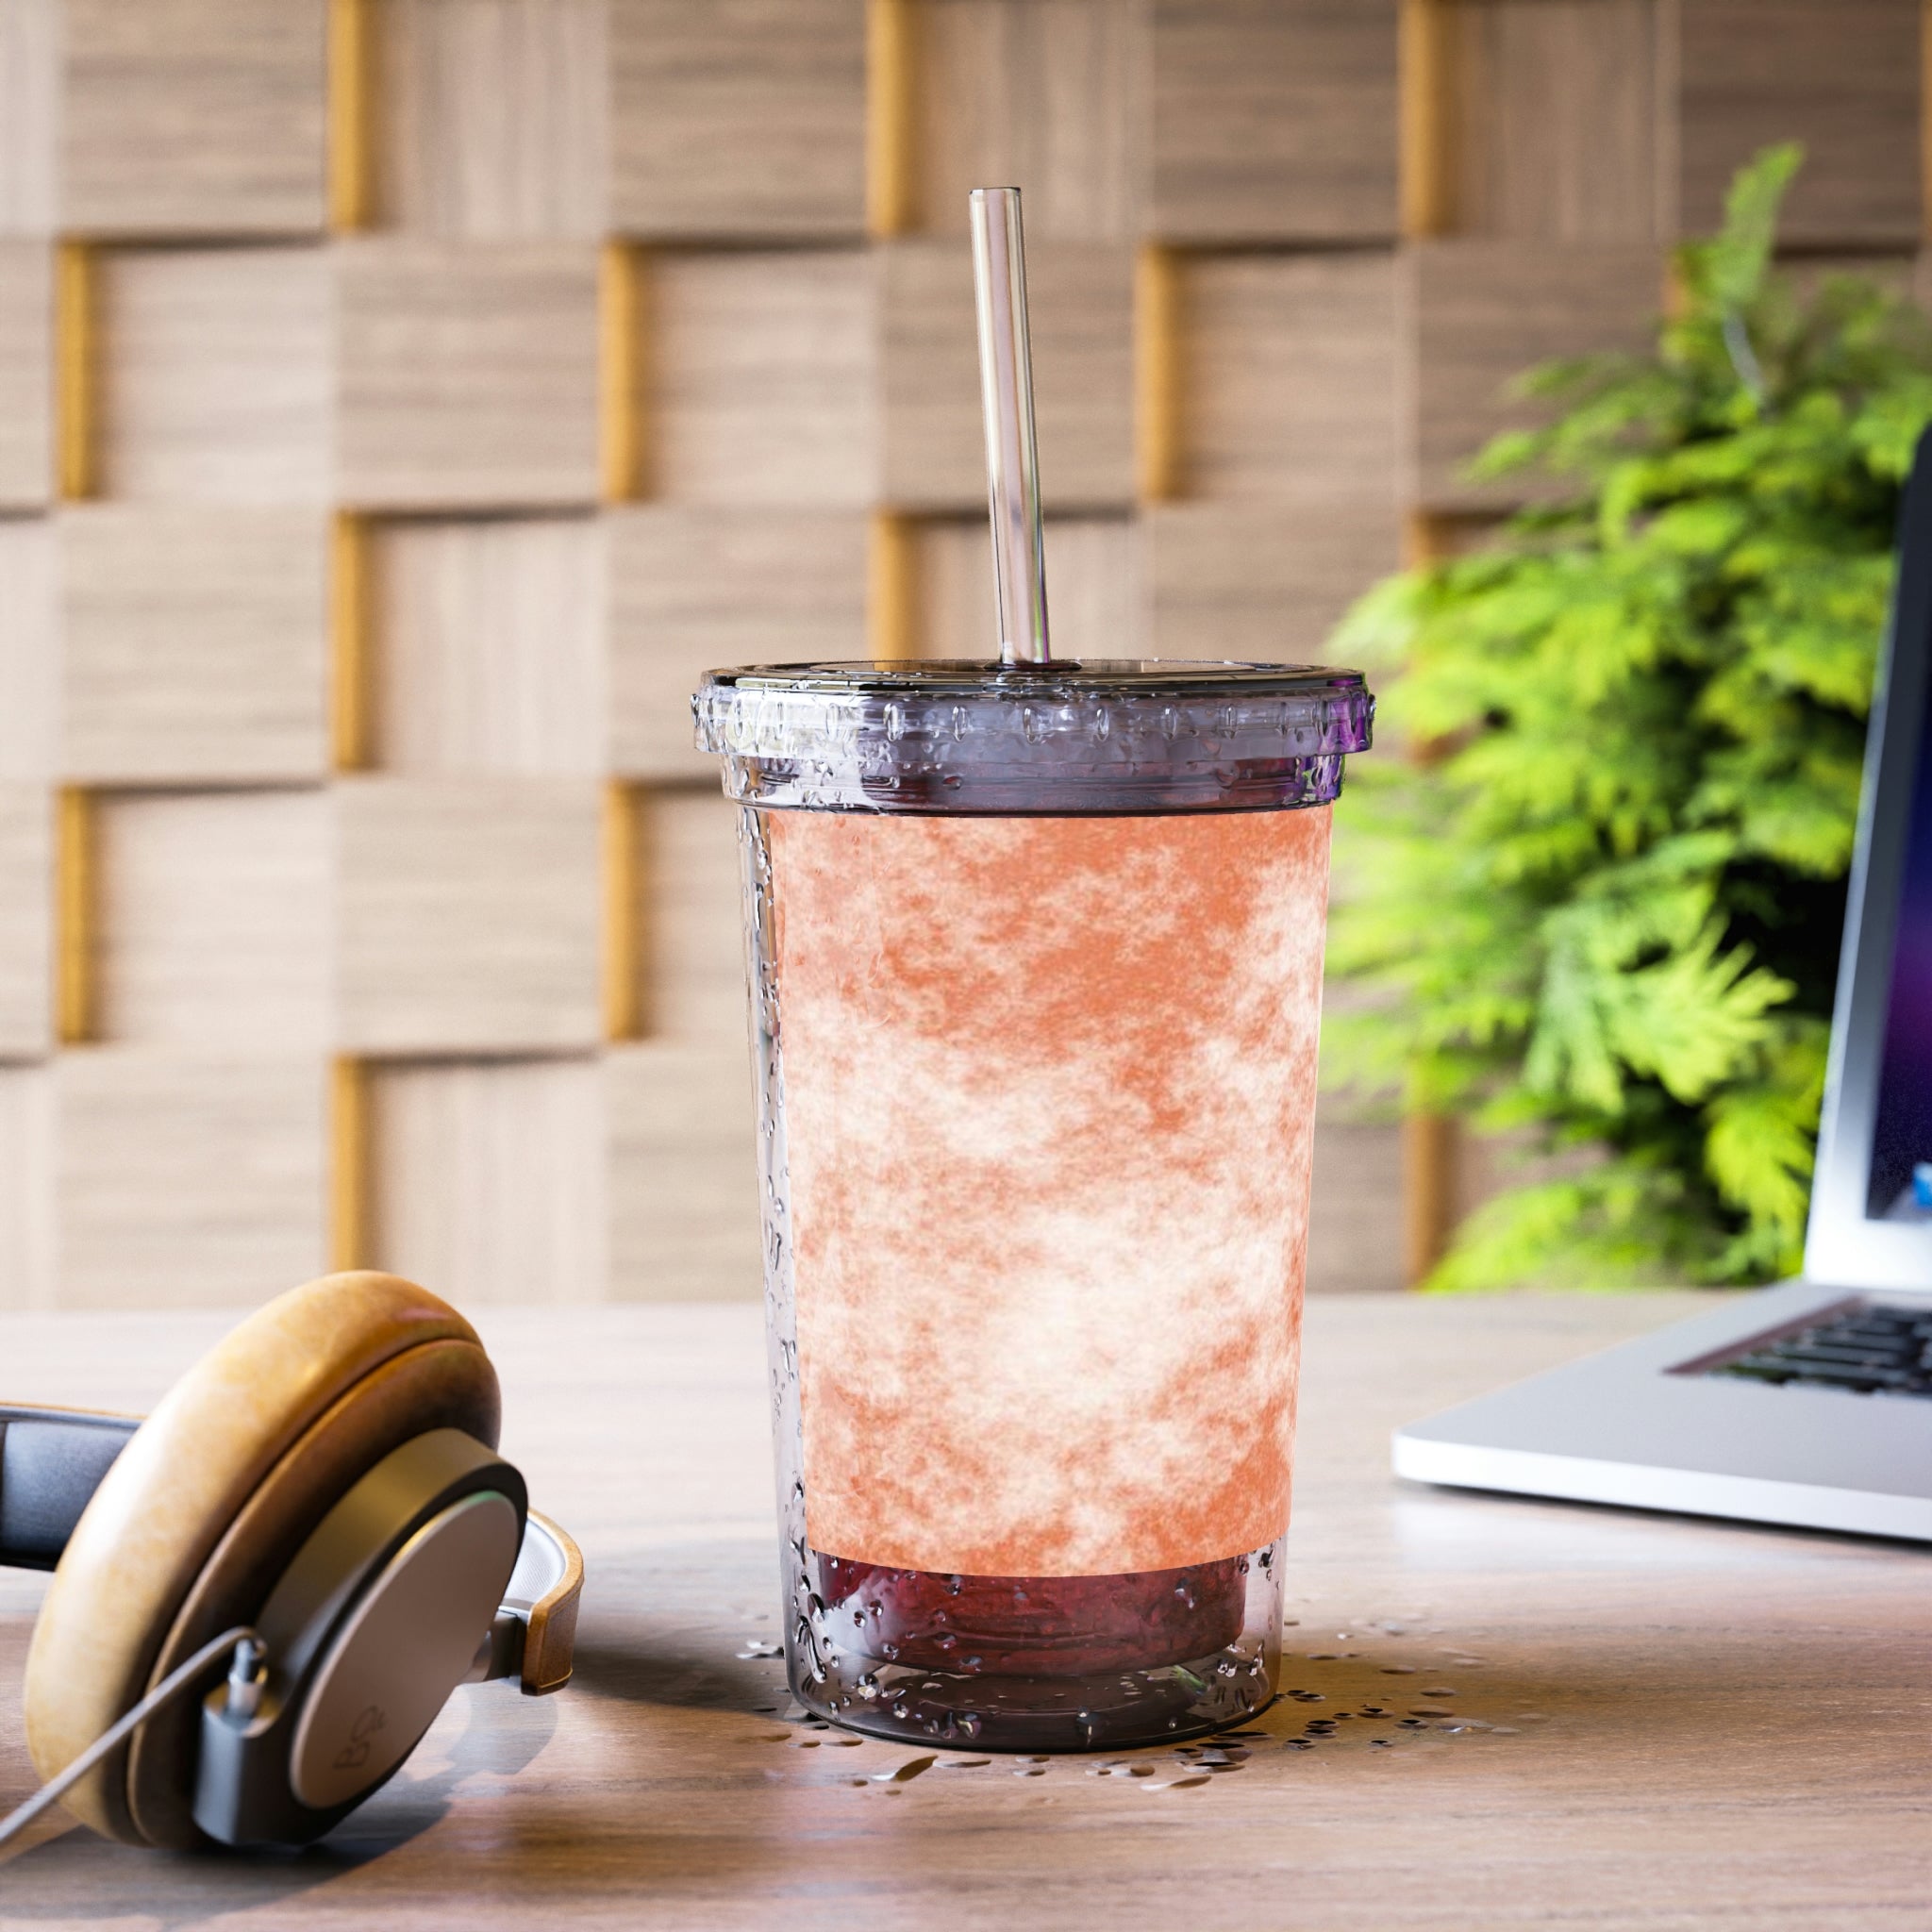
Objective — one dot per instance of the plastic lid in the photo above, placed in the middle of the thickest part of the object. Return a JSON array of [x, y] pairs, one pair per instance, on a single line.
[[1072, 736]]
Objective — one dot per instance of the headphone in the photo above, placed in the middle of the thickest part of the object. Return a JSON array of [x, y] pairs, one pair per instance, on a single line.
[[319, 1503]]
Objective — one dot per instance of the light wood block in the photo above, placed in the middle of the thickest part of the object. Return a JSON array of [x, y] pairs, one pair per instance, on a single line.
[[1355, 1210], [1242, 580], [1044, 94], [489, 650], [30, 114], [1485, 312], [696, 590], [212, 919], [26, 921], [738, 117], [215, 374], [489, 118], [1842, 76], [468, 375], [692, 925], [1093, 588], [491, 1178], [1273, 119], [192, 643], [1081, 304], [192, 117], [683, 1174], [186, 1180], [27, 1187], [1287, 368], [27, 374], [1553, 121], [29, 657], [761, 377], [468, 915]]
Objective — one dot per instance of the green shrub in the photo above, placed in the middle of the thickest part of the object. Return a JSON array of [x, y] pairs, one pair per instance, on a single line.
[[1608, 910]]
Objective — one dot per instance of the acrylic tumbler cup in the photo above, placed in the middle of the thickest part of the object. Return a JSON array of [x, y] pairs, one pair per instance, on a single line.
[[1036, 961]]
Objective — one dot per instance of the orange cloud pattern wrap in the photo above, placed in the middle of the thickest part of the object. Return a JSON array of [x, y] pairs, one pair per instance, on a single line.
[[1049, 1095]]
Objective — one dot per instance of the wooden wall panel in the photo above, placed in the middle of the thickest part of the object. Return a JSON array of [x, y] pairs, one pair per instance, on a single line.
[[1048, 93], [192, 643], [468, 374], [695, 589], [29, 661], [29, 1277], [27, 374], [186, 1180], [27, 924], [489, 118], [30, 114], [1093, 583], [1273, 119], [1081, 303], [1248, 580], [492, 1178], [1481, 314], [212, 919], [695, 950], [488, 645], [410, 543], [738, 117], [193, 117], [1355, 1210], [1844, 77], [1554, 120], [762, 372], [215, 374], [1288, 379], [683, 1187], [468, 915]]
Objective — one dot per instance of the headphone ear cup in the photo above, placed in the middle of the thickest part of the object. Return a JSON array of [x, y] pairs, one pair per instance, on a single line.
[[208, 1503]]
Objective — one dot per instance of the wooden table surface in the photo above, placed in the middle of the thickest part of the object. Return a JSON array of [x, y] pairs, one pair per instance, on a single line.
[[1675, 1723]]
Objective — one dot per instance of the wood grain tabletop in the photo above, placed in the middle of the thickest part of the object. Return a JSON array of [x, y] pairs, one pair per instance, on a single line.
[[1614, 1720]]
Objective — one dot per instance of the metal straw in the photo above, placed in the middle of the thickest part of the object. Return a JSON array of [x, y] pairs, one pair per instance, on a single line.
[[1005, 391]]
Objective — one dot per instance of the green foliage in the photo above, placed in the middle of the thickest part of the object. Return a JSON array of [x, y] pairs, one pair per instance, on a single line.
[[1607, 912]]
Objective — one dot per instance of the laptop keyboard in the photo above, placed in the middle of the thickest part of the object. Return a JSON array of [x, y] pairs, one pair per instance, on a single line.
[[1869, 1349]]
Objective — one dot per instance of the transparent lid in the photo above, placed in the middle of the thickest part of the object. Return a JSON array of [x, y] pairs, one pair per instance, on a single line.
[[1092, 735]]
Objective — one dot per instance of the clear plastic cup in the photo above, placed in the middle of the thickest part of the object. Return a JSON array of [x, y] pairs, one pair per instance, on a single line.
[[1036, 961]]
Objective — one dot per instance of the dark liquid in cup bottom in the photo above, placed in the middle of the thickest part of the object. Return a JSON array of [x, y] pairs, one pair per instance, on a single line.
[[1035, 1626], [1034, 1663]]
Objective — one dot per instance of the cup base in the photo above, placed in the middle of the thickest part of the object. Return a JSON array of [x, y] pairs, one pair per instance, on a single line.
[[1055, 1716], [1036, 1664]]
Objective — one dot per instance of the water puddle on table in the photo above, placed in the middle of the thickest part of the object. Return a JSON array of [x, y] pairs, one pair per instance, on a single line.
[[1368, 1689]]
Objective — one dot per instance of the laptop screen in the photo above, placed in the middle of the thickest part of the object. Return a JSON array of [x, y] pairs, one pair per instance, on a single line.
[[1901, 1179], [1871, 1223]]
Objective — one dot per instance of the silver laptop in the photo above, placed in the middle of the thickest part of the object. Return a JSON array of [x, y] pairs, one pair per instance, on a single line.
[[1809, 1403]]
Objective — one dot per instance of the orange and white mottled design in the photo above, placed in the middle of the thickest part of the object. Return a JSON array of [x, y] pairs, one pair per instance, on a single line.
[[1049, 1092]]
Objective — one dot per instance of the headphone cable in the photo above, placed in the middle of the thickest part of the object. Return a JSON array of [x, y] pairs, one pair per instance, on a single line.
[[246, 1644]]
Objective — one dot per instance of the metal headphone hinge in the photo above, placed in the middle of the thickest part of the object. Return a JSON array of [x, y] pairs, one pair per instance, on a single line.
[[501, 1652]]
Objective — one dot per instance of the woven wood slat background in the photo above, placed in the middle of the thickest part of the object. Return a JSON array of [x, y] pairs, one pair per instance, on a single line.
[[400, 401]]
